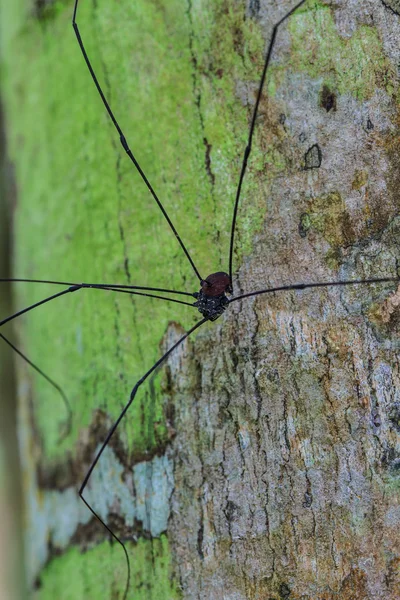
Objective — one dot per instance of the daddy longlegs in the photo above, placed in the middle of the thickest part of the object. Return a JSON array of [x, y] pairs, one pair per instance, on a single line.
[[216, 291]]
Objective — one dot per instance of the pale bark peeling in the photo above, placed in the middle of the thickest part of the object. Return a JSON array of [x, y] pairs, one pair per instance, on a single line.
[[140, 495]]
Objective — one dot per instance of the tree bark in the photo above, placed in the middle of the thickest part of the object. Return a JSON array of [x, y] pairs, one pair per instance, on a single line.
[[263, 461]]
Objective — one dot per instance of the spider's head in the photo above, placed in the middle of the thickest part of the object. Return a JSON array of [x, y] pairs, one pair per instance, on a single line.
[[216, 284], [211, 299]]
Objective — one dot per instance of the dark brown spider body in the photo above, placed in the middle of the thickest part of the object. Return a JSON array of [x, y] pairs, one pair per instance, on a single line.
[[211, 299]]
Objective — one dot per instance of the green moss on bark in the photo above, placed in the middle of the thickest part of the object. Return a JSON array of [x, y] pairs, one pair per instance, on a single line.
[[101, 568]]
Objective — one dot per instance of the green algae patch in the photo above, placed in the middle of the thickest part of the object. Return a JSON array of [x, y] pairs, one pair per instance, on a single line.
[[345, 63], [100, 572], [84, 214]]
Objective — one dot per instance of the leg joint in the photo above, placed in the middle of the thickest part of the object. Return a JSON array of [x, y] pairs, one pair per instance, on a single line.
[[124, 143]]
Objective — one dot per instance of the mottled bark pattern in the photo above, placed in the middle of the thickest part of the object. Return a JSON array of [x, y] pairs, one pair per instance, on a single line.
[[287, 410]]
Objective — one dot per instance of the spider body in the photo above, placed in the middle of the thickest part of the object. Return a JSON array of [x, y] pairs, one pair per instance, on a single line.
[[211, 299]]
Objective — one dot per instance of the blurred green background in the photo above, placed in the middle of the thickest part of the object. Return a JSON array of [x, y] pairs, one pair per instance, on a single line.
[[11, 563]]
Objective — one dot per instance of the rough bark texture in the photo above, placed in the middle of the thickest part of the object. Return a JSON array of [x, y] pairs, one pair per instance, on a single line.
[[263, 462]]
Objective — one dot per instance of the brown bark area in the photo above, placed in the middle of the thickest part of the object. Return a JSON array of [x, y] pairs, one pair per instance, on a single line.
[[287, 409]]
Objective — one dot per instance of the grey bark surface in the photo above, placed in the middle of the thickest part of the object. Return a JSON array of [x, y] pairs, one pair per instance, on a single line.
[[287, 456]]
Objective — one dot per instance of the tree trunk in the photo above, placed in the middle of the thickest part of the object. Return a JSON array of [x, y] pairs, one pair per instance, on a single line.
[[263, 461]]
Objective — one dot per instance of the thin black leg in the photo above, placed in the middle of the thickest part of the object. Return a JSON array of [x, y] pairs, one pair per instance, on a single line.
[[74, 288], [252, 126], [44, 301], [95, 285], [125, 143], [110, 433], [55, 385], [304, 286], [132, 293]]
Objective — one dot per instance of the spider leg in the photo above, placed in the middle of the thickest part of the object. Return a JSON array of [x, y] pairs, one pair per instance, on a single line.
[[55, 385], [112, 430], [147, 295], [95, 285], [32, 306], [53, 297], [125, 143], [303, 286], [74, 288], [252, 126]]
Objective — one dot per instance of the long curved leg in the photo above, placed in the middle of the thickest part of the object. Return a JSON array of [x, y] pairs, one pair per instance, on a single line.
[[125, 143], [95, 285], [55, 385], [75, 288], [109, 435], [44, 301], [304, 286], [252, 126]]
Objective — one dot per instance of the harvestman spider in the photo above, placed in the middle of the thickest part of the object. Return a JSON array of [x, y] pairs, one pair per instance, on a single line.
[[211, 299]]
